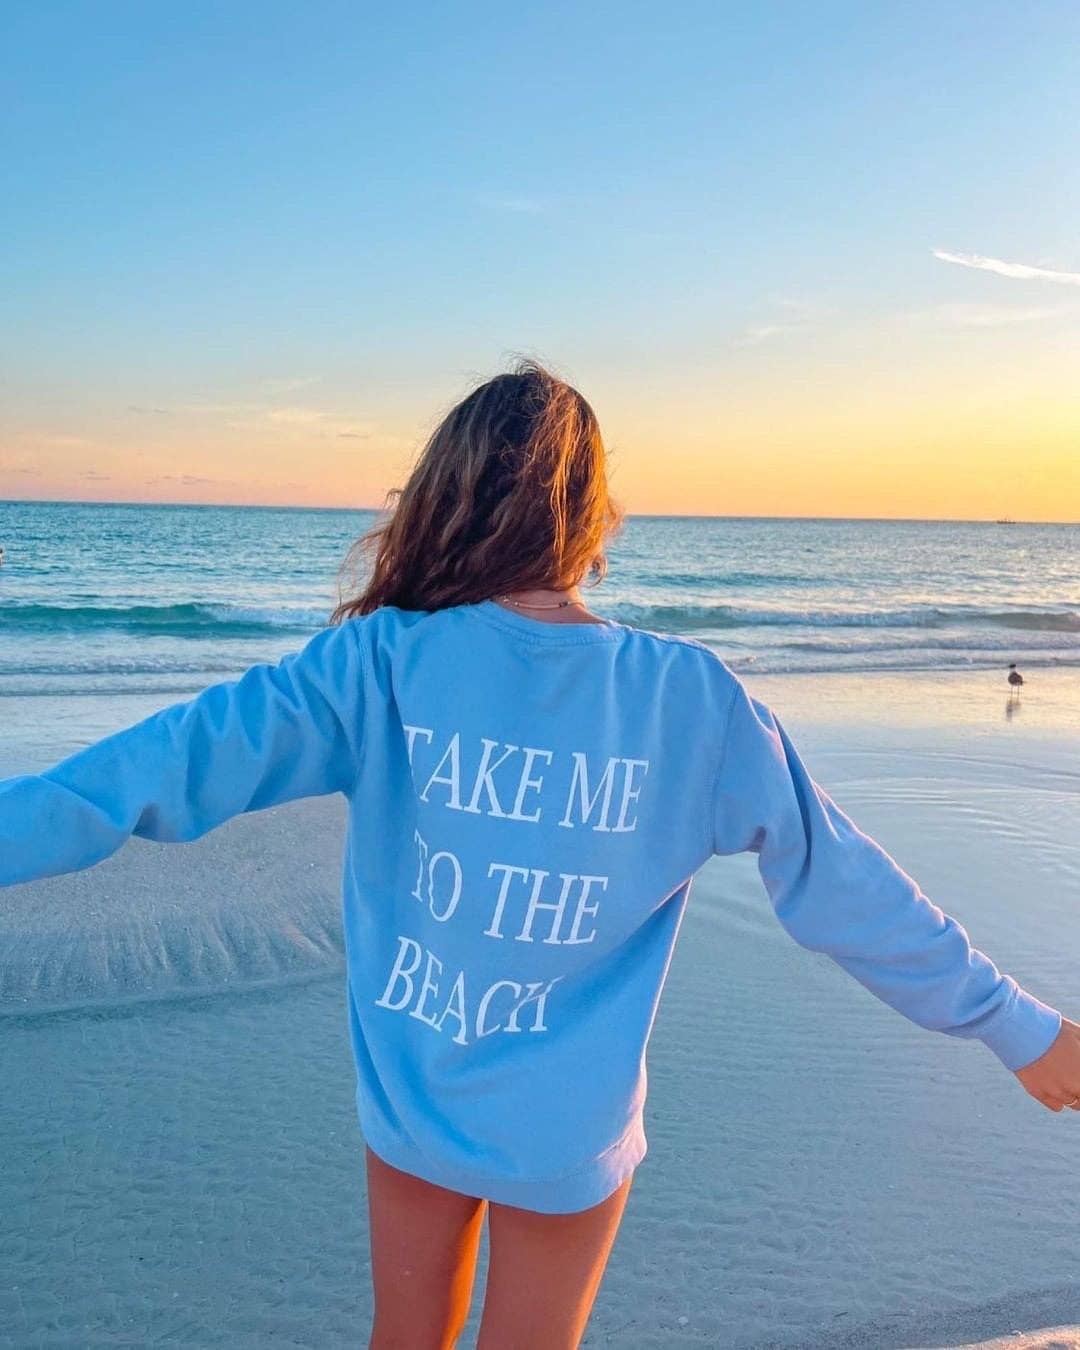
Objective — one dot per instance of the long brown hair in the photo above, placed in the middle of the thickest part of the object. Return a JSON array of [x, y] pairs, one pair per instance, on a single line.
[[510, 493]]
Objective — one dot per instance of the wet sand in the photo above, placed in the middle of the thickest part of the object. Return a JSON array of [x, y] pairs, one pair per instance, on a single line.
[[181, 1159]]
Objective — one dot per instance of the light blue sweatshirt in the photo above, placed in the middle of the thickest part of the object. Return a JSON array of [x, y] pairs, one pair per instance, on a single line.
[[528, 804]]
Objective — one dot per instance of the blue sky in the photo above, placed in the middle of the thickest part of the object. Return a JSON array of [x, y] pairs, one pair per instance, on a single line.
[[348, 211]]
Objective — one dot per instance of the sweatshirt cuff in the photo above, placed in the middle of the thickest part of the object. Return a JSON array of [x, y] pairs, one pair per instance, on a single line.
[[1022, 1030]]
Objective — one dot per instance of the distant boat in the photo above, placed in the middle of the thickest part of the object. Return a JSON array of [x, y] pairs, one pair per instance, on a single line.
[[1005, 520]]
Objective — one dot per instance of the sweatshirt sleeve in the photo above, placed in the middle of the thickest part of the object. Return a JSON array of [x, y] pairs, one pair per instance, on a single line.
[[837, 891], [277, 733]]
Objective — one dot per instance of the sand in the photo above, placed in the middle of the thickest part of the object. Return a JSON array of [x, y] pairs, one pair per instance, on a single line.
[[181, 1163]]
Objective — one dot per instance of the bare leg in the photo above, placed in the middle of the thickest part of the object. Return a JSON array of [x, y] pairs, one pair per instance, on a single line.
[[424, 1242], [544, 1272]]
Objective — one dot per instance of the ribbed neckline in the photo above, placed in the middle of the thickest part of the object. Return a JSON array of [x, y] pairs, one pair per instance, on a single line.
[[539, 630]]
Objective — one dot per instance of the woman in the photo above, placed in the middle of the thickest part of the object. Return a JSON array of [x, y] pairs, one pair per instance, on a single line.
[[531, 791]]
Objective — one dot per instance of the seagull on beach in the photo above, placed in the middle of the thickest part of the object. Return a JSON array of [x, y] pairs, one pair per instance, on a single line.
[[1015, 678]]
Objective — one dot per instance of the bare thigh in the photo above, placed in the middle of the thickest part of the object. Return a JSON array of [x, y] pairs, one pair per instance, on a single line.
[[543, 1273], [424, 1243]]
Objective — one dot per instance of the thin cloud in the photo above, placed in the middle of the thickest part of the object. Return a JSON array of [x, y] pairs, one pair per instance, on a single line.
[[148, 412], [295, 417], [996, 316], [65, 442], [287, 383], [762, 332], [191, 480], [791, 314], [1018, 271], [222, 409], [796, 309], [290, 420]]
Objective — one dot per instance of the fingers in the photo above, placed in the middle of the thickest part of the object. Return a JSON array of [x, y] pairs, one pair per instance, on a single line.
[[1051, 1100], [1057, 1101], [1051, 1089]]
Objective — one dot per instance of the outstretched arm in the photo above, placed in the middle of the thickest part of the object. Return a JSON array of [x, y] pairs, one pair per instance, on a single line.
[[837, 891], [277, 733]]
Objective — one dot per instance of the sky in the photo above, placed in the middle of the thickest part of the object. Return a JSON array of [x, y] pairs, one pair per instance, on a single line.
[[803, 259]]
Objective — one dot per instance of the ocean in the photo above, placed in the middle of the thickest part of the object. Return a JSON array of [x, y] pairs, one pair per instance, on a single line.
[[109, 611]]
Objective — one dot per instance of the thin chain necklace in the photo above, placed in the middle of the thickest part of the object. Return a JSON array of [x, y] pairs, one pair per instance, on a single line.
[[524, 604]]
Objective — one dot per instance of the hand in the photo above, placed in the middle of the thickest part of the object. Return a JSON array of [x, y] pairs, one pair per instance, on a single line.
[[1054, 1078]]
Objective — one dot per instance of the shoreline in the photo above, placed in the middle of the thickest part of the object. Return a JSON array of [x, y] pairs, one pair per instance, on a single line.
[[815, 702]]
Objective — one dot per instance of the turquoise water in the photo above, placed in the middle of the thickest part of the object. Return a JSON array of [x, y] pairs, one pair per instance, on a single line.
[[154, 602]]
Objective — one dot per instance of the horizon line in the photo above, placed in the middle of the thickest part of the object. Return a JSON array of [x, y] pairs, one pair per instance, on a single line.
[[630, 515]]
